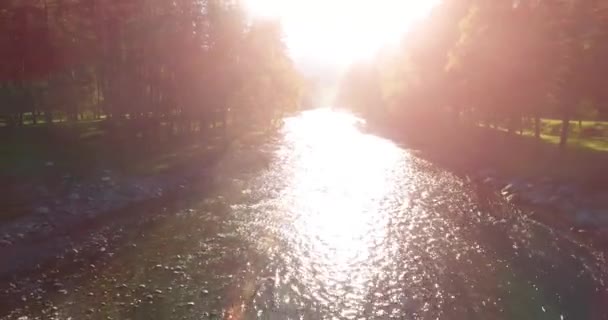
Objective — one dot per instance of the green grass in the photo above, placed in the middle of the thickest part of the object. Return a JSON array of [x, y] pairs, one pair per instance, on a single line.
[[84, 148], [469, 149], [595, 139]]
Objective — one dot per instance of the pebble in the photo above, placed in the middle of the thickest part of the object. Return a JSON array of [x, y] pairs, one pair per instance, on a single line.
[[43, 210]]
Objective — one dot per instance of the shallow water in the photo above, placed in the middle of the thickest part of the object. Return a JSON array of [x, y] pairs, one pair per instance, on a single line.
[[338, 224]]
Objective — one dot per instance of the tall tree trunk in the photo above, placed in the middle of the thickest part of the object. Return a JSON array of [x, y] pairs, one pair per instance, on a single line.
[[537, 124], [511, 125], [563, 140], [48, 116], [10, 120], [521, 125]]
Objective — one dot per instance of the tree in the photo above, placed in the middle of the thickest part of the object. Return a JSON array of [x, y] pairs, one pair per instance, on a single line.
[[146, 65]]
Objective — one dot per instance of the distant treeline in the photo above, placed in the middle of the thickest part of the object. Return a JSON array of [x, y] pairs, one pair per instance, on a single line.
[[502, 63], [180, 64]]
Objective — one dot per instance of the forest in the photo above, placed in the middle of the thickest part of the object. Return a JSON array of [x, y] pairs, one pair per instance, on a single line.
[[528, 66], [146, 69]]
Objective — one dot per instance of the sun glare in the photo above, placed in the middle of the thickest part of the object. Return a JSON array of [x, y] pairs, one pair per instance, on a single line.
[[341, 31]]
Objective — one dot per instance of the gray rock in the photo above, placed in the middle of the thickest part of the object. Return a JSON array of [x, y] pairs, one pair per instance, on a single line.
[[587, 218], [513, 198], [584, 216], [489, 180], [566, 206], [5, 243], [487, 172], [566, 190], [43, 210]]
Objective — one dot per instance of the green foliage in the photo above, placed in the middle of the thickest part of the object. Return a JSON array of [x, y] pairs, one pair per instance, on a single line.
[[493, 62], [181, 65]]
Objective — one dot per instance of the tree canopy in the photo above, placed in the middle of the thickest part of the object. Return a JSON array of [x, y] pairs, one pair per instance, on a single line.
[[183, 65], [492, 62]]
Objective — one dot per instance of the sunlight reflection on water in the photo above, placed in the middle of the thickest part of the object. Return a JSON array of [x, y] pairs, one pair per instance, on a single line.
[[338, 180], [365, 230]]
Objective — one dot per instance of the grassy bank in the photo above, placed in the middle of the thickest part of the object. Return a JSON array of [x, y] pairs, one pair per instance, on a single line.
[[467, 148], [591, 135], [85, 147], [48, 164]]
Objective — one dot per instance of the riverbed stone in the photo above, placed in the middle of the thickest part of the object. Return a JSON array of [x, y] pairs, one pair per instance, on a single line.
[[489, 181], [43, 210], [513, 198], [585, 218], [486, 172]]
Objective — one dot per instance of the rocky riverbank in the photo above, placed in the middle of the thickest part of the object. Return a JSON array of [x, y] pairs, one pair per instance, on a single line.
[[50, 207], [63, 212], [565, 205]]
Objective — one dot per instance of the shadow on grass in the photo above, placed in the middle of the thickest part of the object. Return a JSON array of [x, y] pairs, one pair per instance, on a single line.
[[469, 149], [84, 148]]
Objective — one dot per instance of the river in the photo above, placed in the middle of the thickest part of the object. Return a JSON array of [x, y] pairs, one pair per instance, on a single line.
[[336, 224]]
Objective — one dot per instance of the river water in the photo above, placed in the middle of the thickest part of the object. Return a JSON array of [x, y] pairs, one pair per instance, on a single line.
[[334, 224]]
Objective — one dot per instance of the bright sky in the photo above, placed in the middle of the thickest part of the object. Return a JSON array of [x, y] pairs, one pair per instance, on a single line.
[[338, 32]]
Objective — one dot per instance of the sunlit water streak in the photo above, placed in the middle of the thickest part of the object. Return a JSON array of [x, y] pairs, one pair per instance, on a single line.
[[340, 225]]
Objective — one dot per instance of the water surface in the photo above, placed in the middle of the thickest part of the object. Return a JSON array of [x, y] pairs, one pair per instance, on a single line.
[[338, 224]]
